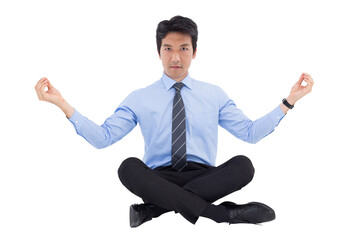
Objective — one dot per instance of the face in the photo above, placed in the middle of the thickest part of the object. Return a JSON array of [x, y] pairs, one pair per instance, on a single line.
[[176, 53]]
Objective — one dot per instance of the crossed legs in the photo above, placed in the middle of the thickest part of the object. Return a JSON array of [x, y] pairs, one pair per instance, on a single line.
[[189, 192]]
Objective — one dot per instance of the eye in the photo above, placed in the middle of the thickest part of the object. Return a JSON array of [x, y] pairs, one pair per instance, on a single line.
[[167, 49], [184, 49]]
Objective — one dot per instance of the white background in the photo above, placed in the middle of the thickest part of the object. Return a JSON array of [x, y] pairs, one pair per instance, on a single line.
[[54, 185]]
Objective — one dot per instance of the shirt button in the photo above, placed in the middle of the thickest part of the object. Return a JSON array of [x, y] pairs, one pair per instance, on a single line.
[[76, 121]]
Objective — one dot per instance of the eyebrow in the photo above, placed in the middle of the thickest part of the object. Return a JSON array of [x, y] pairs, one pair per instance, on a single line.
[[182, 45]]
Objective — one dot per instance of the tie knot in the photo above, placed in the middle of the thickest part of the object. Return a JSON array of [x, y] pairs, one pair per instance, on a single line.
[[178, 86]]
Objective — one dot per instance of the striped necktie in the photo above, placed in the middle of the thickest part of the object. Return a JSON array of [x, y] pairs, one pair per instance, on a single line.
[[178, 147]]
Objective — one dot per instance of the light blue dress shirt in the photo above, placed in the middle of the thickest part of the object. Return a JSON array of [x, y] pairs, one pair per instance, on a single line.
[[206, 107]]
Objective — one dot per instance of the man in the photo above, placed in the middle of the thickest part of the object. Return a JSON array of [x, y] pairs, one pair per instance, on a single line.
[[179, 117]]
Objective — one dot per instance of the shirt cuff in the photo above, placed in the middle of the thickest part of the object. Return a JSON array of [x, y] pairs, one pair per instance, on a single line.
[[77, 120], [278, 114]]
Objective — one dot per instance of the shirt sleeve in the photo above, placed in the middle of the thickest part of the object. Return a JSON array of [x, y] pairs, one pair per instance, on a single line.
[[238, 124], [112, 130]]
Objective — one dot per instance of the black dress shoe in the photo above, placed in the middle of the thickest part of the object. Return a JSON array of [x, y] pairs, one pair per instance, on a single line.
[[252, 212], [140, 213]]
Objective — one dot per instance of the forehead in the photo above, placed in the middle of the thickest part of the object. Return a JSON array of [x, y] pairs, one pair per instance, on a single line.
[[176, 38]]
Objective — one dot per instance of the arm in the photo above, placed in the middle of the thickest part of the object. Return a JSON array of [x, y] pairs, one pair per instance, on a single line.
[[112, 130], [238, 124], [52, 95]]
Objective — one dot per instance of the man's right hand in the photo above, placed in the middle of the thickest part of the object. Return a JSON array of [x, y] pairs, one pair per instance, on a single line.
[[52, 95]]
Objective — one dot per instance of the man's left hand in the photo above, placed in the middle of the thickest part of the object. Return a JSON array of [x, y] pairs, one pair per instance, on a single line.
[[299, 90]]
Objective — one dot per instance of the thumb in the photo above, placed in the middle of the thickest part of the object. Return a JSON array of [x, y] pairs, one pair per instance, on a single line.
[[50, 85]]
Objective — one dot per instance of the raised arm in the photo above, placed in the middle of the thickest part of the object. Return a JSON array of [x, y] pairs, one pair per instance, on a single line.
[[47, 92], [112, 130], [237, 123]]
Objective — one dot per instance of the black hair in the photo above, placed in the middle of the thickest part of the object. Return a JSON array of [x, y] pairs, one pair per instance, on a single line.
[[177, 24]]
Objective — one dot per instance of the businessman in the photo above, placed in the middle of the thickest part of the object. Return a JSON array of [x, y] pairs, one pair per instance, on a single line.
[[179, 118]]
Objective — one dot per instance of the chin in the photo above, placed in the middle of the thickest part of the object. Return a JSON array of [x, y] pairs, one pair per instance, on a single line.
[[176, 76]]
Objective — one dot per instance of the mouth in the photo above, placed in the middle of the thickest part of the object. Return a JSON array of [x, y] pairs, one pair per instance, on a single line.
[[175, 67]]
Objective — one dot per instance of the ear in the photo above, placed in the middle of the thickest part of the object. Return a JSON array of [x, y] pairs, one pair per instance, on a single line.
[[194, 54], [159, 55]]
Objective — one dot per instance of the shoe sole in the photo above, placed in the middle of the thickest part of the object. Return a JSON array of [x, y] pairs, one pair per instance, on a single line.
[[134, 218]]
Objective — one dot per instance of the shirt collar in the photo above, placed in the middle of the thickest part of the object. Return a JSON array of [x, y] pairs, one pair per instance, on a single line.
[[169, 82]]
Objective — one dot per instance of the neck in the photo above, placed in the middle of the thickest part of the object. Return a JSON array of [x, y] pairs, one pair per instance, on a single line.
[[177, 79]]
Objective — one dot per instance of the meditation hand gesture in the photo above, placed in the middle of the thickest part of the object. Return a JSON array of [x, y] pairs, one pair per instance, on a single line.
[[52, 95], [298, 90]]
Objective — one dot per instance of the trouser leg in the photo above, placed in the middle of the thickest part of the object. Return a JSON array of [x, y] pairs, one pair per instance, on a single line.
[[145, 183], [219, 182], [222, 180]]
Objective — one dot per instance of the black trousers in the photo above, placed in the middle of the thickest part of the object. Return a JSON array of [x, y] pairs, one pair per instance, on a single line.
[[187, 192]]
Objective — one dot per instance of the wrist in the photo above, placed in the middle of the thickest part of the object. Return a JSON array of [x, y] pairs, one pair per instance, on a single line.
[[284, 108], [291, 100], [66, 108], [287, 103]]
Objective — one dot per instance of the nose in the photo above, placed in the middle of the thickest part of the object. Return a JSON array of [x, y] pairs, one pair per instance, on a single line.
[[175, 57]]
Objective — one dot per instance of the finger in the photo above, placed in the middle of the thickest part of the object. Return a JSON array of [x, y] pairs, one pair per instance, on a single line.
[[309, 85], [38, 83], [41, 82], [50, 85], [38, 87], [38, 93], [300, 79], [309, 77], [311, 80], [42, 91], [43, 86]]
